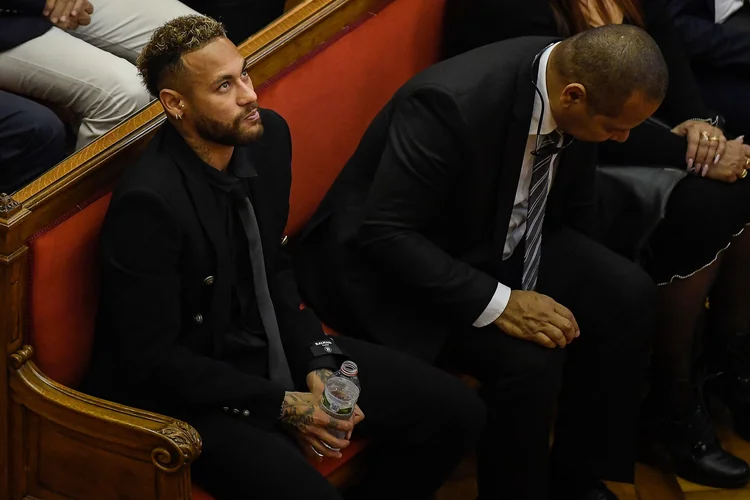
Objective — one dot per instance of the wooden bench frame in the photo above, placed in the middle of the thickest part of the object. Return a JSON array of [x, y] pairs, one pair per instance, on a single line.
[[31, 403]]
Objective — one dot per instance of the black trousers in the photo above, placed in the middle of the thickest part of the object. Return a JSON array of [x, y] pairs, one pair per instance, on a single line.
[[420, 420], [599, 377], [32, 140]]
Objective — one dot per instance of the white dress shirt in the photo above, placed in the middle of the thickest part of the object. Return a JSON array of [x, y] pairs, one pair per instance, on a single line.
[[723, 9], [517, 225]]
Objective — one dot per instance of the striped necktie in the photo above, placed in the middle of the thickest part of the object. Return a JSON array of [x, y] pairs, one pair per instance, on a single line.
[[537, 204]]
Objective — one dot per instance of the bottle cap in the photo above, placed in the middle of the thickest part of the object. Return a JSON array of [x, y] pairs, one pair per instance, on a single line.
[[349, 369]]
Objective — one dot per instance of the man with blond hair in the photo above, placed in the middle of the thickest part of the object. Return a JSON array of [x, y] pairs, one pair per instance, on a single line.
[[200, 317]]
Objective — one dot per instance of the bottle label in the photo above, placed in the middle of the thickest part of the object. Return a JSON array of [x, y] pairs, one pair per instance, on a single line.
[[335, 407]]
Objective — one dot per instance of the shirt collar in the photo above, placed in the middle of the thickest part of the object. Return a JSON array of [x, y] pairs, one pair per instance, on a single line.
[[548, 121], [240, 166]]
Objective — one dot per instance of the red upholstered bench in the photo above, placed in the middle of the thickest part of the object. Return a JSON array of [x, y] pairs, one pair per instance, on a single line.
[[328, 98]]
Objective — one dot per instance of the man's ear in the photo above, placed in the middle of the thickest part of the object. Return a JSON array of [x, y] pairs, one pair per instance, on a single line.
[[173, 102], [573, 94]]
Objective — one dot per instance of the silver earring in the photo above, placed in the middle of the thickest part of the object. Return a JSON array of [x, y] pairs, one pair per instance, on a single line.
[[177, 116]]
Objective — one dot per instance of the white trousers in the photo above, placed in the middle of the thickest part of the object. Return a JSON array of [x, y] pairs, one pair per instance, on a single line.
[[90, 70]]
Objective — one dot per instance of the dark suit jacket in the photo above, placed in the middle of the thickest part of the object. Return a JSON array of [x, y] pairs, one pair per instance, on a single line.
[[162, 323], [20, 21], [710, 45], [478, 22], [426, 198]]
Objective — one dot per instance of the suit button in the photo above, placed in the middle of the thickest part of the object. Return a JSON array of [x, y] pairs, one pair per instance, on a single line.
[[284, 240], [209, 280], [226, 408], [198, 318], [236, 411], [245, 413]]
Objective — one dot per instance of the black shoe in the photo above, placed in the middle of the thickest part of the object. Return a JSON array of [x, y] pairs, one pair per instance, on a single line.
[[599, 492], [734, 392], [695, 452], [729, 366]]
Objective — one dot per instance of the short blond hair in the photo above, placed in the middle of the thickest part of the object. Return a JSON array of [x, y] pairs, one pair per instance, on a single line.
[[161, 59]]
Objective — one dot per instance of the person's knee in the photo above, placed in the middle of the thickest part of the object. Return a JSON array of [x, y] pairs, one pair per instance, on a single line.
[[123, 93], [130, 95], [41, 127], [535, 373], [537, 366], [36, 144]]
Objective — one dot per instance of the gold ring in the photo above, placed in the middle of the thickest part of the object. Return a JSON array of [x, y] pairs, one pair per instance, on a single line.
[[714, 138], [744, 174], [704, 134], [747, 162]]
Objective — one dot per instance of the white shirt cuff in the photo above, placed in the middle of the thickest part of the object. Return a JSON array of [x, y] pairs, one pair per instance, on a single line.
[[495, 308]]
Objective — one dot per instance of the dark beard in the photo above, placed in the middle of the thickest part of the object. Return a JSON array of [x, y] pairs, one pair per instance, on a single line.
[[228, 135]]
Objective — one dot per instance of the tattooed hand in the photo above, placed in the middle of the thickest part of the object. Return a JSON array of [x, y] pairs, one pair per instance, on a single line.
[[310, 425], [316, 380]]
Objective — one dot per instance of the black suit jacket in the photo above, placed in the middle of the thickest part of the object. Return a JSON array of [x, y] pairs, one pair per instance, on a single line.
[[427, 196], [20, 21], [479, 22], [710, 45], [162, 321]]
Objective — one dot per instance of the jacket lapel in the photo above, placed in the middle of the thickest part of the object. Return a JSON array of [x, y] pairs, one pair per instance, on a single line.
[[211, 221], [511, 160]]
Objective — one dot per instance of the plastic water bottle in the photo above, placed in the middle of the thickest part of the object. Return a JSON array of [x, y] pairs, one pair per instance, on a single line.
[[341, 395]]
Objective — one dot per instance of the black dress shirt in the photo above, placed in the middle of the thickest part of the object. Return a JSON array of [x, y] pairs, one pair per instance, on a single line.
[[246, 338]]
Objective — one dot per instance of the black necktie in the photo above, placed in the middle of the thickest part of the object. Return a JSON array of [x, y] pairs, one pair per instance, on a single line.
[[537, 204], [278, 367]]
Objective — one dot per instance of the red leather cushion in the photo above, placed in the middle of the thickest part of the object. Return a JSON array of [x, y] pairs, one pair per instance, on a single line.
[[64, 292], [330, 99]]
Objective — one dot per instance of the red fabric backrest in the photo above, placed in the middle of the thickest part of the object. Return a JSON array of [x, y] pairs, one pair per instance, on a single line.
[[330, 98], [64, 292]]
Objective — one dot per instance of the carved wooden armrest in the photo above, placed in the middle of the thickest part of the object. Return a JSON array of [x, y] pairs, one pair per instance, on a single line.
[[67, 444]]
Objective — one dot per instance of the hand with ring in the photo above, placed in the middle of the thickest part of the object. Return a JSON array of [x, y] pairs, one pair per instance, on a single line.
[[732, 165], [312, 428], [706, 145]]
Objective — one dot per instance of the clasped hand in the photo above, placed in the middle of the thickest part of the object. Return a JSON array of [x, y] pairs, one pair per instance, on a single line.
[[706, 144], [68, 14], [538, 318], [310, 426], [734, 162]]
